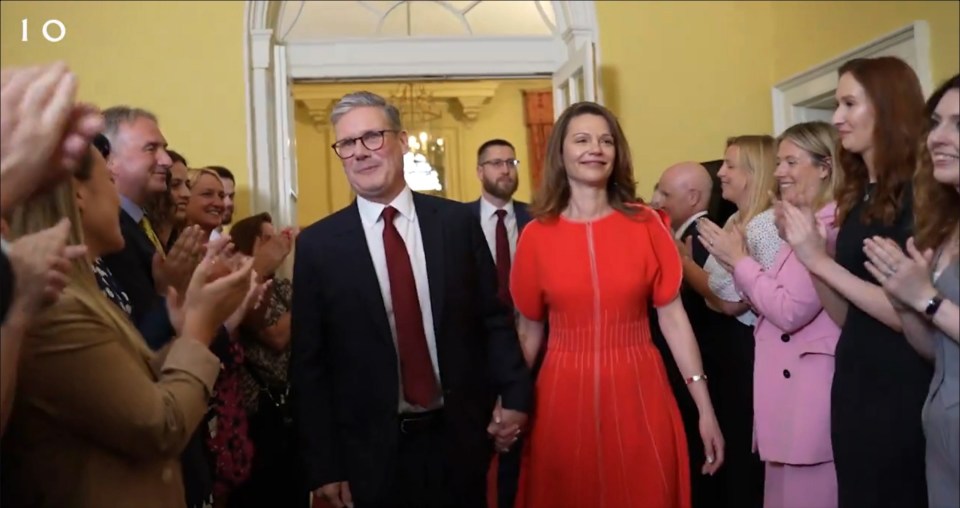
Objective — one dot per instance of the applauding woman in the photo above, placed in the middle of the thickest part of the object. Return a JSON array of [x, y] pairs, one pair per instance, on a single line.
[[99, 419], [923, 285]]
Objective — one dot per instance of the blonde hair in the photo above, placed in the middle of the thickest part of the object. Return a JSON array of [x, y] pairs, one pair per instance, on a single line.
[[758, 155], [194, 174], [44, 211], [819, 140]]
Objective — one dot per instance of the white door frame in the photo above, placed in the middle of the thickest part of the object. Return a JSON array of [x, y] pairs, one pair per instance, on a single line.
[[792, 95], [385, 58]]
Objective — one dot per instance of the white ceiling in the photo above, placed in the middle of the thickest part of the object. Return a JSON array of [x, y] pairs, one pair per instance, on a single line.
[[313, 20]]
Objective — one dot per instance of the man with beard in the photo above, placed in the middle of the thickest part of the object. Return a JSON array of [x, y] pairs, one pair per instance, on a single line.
[[502, 219]]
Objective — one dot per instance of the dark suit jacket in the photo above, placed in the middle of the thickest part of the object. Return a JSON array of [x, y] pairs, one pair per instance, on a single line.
[[344, 362], [519, 208], [6, 285], [132, 268]]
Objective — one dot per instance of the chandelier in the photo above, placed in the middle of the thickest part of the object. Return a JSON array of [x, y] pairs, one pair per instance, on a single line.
[[424, 163]]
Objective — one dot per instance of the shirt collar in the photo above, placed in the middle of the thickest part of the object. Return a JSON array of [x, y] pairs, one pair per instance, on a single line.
[[487, 210], [677, 233], [133, 210], [370, 211]]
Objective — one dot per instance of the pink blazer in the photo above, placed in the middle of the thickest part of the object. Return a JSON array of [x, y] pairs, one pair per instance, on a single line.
[[793, 366]]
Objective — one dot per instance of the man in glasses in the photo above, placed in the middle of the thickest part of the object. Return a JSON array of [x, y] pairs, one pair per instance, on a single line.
[[401, 346], [502, 219]]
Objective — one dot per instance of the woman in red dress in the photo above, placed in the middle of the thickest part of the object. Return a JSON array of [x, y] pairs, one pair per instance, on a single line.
[[606, 430]]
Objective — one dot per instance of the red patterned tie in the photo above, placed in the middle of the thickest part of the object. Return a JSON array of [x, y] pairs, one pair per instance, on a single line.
[[416, 370], [503, 259]]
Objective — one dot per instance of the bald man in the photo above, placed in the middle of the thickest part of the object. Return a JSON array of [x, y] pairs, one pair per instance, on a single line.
[[685, 190]]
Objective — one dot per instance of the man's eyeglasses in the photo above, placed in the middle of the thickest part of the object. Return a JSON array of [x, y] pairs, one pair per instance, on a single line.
[[347, 148], [499, 163]]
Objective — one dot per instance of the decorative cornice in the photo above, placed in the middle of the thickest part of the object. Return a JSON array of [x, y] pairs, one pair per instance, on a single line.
[[465, 99]]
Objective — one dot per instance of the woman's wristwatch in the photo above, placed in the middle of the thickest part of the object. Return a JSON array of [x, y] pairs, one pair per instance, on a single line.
[[933, 305]]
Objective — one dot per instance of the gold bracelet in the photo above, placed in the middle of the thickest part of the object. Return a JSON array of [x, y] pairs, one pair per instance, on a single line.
[[694, 379]]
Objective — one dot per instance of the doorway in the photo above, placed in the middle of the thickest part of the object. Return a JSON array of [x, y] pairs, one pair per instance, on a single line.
[[349, 41], [808, 96]]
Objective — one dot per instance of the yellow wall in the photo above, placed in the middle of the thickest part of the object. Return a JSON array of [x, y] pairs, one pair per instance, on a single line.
[[847, 25], [181, 60], [682, 76], [324, 188]]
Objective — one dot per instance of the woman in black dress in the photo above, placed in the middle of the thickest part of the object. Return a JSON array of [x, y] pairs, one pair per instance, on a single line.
[[880, 382]]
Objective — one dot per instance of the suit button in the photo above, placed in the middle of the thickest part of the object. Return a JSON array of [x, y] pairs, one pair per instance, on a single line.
[[785, 337], [786, 373]]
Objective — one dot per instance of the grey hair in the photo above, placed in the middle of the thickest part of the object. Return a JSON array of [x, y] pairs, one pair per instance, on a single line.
[[116, 116], [365, 99]]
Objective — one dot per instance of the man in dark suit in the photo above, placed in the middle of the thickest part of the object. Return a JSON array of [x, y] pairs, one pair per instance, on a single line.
[[139, 163], [400, 343], [685, 195], [502, 219]]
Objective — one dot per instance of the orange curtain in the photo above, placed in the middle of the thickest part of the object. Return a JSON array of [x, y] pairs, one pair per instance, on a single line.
[[538, 115]]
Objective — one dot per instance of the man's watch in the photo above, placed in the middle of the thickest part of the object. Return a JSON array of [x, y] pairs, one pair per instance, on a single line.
[[932, 306]]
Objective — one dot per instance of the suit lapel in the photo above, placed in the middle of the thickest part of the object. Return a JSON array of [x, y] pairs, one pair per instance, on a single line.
[[431, 230], [356, 255]]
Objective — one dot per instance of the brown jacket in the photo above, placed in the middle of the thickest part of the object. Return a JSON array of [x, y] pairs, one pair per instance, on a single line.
[[97, 421]]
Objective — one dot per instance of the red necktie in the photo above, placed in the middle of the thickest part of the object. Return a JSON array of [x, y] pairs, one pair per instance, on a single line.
[[416, 370], [503, 258]]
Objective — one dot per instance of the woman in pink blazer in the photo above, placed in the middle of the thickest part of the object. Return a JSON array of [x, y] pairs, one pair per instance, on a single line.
[[795, 338]]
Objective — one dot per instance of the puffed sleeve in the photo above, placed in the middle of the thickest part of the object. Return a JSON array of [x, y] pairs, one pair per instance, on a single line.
[[526, 287], [669, 270]]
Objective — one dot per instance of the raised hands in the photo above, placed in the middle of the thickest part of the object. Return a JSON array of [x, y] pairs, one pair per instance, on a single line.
[[905, 277], [220, 284], [728, 246], [269, 255], [176, 269], [800, 228], [44, 133], [41, 263]]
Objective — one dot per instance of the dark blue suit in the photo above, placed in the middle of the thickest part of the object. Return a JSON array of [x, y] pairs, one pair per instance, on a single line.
[[508, 474]]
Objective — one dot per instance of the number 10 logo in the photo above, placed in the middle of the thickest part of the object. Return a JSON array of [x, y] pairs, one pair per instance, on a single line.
[[46, 30]]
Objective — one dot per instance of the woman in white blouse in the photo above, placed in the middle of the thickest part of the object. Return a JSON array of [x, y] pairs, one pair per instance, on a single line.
[[746, 180]]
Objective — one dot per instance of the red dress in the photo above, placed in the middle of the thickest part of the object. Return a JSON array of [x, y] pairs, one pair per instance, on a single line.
[[606, 430]]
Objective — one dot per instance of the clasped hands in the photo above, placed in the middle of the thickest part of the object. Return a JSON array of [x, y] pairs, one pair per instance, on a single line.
[[505, 427]]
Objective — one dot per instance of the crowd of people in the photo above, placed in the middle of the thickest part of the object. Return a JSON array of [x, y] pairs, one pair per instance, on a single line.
[[586, 349]]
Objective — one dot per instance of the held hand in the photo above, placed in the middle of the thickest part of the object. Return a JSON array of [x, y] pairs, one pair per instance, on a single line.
[[336, 494], [906, 279], [505, 427], [712, 443]]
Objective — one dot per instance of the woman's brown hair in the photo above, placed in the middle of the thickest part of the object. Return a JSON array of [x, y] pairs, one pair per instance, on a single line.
[[898, 144], [244, 233], [936, 219], [554, 193]]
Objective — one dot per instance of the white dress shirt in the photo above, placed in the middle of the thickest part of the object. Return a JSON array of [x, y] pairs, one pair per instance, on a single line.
[[678, 232], [409, 228], [488, 221]]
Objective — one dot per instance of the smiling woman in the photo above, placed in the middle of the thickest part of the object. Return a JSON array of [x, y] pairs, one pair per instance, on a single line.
[[205, 206]]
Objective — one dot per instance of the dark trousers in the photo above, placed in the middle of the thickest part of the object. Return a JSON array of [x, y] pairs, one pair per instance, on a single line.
[[423, 477], [508, 475]]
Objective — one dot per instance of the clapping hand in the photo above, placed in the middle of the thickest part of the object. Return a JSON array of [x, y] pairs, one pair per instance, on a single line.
[[177, 267], [728, 246], [41, 263], [44, 133], [904, 277], [800, 228]]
